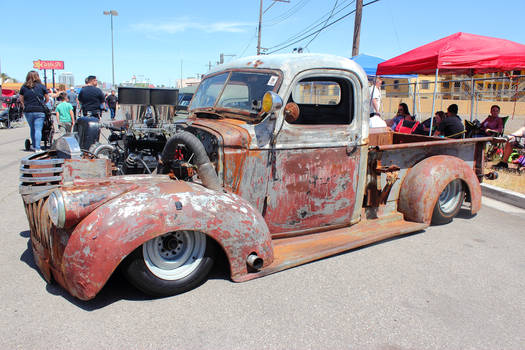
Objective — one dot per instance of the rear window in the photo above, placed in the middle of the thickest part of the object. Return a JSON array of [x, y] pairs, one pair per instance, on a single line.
[[317, 93]]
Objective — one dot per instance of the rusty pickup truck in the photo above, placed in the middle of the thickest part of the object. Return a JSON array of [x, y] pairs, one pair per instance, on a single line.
[[274, 167]]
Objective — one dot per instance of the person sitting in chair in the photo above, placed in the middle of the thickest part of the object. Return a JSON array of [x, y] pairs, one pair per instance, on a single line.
[[511, 142], [402, 114], [492, 124], [451, 126]]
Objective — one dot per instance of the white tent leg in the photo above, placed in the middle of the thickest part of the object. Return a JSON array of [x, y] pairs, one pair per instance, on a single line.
[[433, 103], [472, 101]]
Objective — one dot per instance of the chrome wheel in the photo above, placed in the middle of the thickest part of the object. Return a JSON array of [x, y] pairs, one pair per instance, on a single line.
[[449, 202], [174, 255], [451, 196]]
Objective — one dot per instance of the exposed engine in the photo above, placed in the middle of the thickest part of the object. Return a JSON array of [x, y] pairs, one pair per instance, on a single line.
[[138, 150]]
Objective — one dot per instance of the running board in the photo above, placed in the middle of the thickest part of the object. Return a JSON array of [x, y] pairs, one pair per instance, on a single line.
[[295, 251]]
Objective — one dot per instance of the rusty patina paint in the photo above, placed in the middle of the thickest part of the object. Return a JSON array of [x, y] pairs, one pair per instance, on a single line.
[[113, 230], [312, 188], [427, 179], [82, 200]]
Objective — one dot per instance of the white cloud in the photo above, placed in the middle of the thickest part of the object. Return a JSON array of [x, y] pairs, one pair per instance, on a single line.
[[184, 24]]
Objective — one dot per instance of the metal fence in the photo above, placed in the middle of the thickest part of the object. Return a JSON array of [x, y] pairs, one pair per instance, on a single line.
[[473, 96]]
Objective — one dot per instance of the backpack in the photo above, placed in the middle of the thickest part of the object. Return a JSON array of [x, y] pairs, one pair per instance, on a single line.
[[407, 126]]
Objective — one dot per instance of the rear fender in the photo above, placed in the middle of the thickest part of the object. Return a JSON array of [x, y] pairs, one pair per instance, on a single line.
[[423, 184], [108, 234]]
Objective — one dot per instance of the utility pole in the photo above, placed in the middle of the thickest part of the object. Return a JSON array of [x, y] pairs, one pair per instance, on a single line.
[[221, 57], [357, 27], [260, 21], [259, 30]]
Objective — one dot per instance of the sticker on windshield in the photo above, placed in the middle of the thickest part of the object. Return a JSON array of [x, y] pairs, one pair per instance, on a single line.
[[272, 81]]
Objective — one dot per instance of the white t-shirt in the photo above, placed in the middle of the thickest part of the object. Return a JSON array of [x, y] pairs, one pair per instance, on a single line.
[[377, 122], [375, 93]]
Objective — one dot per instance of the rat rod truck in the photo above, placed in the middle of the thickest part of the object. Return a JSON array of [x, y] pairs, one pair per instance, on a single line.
[[275, 167]]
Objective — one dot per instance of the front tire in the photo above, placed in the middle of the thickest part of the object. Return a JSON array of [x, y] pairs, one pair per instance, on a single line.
[[448, 203], [171, 264]]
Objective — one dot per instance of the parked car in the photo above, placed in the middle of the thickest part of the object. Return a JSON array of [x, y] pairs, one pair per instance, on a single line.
[[275, 166]]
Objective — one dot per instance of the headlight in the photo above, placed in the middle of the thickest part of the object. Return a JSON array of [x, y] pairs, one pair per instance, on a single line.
[[56, 209], [271, 102]]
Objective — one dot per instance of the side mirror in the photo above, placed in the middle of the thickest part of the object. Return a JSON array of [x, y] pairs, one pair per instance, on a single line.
[[291, 112], [271, 102]]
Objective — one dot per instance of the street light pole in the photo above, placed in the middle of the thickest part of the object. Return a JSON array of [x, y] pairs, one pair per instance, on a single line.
[[112, 13]]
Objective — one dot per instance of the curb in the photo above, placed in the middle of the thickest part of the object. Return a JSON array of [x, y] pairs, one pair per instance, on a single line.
[[502, 195]]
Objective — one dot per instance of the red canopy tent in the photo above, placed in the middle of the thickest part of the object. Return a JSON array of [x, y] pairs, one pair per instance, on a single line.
[[459, 53]]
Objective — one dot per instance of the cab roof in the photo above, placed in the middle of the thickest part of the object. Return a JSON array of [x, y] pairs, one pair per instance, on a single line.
[[291, 64]]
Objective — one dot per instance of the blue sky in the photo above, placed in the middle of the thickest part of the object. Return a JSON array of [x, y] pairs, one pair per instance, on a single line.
[[153, 37]]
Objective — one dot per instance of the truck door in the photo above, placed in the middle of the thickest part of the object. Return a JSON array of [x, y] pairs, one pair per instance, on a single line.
[[316, 158]]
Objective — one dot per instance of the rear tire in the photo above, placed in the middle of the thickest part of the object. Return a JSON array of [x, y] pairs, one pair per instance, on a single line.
[[27, 145], [171, 264], [448, 203]]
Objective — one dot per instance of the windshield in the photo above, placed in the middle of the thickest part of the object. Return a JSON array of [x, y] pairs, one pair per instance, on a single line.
[[235, 90]]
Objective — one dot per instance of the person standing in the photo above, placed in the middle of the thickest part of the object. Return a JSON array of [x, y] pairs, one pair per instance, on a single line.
[[64, 113], [73, 100], [112, 102], [375, 96], [33, 96], [91, 98], [451, 126]]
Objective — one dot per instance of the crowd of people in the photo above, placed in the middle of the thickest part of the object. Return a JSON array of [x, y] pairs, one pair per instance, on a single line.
[[443, 124], [66, 105]]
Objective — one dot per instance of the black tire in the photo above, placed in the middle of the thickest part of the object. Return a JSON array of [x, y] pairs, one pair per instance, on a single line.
[[49, 140], [449, 203], [27, 145], [147, 267]]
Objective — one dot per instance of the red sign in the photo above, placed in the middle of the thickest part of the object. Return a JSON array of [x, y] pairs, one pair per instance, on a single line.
[[48, 64]]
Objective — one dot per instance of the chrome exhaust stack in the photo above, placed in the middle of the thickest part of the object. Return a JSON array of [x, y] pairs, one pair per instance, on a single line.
[[254, 261]]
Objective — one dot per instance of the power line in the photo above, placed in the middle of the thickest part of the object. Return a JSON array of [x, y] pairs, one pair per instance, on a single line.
[[287, 14], [312, 26], [319, 30], [331, 15]]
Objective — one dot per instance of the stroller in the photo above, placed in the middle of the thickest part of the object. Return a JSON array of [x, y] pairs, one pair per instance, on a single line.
[[48, 132], [13, 112]]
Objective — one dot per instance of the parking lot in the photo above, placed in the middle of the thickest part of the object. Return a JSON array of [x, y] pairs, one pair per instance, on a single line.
[[458, 286]]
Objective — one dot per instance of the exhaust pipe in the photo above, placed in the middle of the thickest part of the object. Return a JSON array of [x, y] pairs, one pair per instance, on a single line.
[[254, 261]]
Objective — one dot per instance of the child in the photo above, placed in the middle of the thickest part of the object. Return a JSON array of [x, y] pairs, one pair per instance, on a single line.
[[64, 112]]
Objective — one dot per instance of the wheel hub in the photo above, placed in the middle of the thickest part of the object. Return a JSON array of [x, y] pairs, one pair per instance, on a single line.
[[171, 245], [175, 254]]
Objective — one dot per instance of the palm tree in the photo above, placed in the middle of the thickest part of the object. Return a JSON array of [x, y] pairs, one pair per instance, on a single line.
[[4, 78]]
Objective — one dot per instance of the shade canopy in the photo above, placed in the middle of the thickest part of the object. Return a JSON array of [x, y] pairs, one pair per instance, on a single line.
[[459, 53], [369, 65]]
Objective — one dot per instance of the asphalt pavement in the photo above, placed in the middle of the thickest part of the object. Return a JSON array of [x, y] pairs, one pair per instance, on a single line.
[[457, 286]]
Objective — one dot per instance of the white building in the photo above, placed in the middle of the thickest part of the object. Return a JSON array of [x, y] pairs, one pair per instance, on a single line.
[[188, 82], [67, 79]]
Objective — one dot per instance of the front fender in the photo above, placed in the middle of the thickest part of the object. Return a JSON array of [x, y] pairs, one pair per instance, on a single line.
[[108, 234], [423, 184]]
